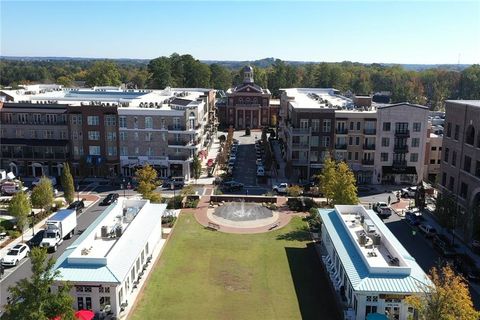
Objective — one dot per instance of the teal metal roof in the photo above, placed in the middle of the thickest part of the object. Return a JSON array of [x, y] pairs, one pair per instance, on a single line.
[[355, 268]]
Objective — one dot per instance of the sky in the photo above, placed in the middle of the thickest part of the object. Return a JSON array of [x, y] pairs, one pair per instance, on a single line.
[[407, 32]]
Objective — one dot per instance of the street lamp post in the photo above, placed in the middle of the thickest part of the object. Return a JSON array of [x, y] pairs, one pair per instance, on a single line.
[[78, 192], [123, 186]]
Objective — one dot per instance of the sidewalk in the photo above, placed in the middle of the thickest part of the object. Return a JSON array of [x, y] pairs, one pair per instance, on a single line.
[[280, 173], [212, 154]]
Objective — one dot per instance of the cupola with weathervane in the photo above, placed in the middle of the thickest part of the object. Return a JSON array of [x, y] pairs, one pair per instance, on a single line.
[[247, 74]]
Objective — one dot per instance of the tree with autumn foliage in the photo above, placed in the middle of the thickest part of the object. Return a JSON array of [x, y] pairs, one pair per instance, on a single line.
[[147, 181], [446, 298]]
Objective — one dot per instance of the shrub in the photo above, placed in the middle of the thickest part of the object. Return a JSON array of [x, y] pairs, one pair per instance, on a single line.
[[175, 202], [14, 233], [6, 224], [168, 221], [294, 191], [58, 204], [301, 204], [155, 197], [191, 203]]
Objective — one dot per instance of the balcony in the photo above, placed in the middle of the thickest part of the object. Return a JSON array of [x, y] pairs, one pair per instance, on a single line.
[[367, 146], [176, 128], [341, 146], [399, 163], [341, 131], [299, 131], [402, 133], [400, 149], [300, 146], [367, 162], [177, 143], [371, 132]]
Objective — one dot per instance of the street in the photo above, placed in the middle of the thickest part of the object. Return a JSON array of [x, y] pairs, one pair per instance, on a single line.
[[23, 270]]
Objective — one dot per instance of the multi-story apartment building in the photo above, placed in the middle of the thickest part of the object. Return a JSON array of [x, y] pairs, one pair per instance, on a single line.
[[307, 126], [247, 105], [109, 130], [34, 138], [460, 168], [356, 141], [401, 136], [433, 156], [93, 139]]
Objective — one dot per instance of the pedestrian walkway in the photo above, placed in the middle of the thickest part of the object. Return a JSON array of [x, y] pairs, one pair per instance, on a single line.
[[280, 172], [212, 154]]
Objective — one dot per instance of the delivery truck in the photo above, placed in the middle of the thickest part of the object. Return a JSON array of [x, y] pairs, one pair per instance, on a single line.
[[59, 227]]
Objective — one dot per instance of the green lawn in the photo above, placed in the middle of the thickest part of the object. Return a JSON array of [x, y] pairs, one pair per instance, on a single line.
[[205, 274]]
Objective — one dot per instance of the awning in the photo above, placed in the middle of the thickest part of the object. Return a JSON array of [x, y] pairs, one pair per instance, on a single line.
[[376, 316], [398, 170]]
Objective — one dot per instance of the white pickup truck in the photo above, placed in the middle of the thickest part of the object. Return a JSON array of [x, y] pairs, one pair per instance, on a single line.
[[59, 227]]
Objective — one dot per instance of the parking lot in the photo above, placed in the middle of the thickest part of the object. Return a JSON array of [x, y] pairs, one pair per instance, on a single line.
[[245, 168]]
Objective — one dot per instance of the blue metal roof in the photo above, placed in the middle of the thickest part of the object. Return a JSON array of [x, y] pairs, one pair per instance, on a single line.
[[61, 214], [355, 268]]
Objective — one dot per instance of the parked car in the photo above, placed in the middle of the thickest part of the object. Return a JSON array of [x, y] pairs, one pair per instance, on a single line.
[[465, 265], [377, 207], [36, 240], [409, 192], [385, 212], [109, 199], [177, 182], [15, 254], [232, 186], [77, 205], [37, 181], [280, 188], [444, 246], [428, 230], [260, 171]]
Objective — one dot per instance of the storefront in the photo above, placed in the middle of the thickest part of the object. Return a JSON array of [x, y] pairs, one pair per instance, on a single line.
[[399, 175]]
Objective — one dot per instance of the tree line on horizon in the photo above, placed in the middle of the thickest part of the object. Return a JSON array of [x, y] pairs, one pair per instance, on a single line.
[[427, 87]]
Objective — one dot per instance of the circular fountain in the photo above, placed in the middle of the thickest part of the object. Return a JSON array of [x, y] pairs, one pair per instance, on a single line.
[[242, 215]]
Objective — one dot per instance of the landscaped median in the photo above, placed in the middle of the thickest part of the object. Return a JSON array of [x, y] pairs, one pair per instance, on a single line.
[[205, 274]]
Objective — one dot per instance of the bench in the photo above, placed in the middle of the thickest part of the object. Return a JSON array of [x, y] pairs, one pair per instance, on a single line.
[[213, 226], [273, 226]]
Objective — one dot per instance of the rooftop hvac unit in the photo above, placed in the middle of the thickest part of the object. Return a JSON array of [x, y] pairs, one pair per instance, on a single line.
[[118, 231], [104, 232], [362, 238], [376, 239]]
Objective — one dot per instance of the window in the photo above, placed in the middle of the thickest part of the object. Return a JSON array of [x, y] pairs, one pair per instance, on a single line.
[[326, 142], [314, 141], [370, 309], [457, 131], [37, 118], [93, 120], [148, 136], [434, 148], [135, 122], [112, 151], [454, 158], [449, 129], [136, 150], [148, 123], [356, 155], [122, 122], [451, 183], [417, 127], [351, 125], [123, 135], [135, 136], [19, 133], [80, 303], [124, 151], [385, 142], [349, 155], [327, 125], [358, 125], [383, 156], [445, 156], [467, 164], [22, 118], [415, 142], [463, 190], [357, 140], [104, 301], [315, 125], [413, 157], [444, 179], [432, 161], [94, 135], [149, 152], [386, 126], [87, 289], [48, 134], [176, 123], [51, 118], [80, 150], [88, 303], [350, 141], [63, 135], [94, 150], [470, 135], [111, 136], [110, 120]]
